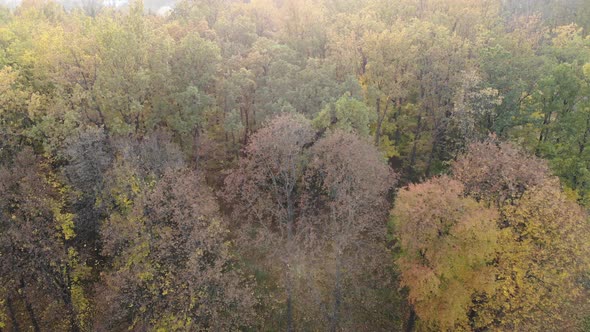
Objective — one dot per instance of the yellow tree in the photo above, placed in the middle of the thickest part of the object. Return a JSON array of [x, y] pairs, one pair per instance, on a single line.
[[447, 244], [523, 263], [542, 260]]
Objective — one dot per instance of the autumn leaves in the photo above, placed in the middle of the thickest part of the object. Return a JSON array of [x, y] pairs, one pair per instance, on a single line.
[[309, 208], [496, 245]]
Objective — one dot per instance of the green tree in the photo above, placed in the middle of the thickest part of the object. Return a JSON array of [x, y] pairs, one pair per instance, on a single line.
[[347, 114]]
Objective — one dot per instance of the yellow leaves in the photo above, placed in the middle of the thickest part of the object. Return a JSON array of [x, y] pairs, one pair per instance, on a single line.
[[544, 233], [526, 264], [28, 57], [519, 275], [3, 316], [135, 187], [8, 77], [586, 70], [137, 256], [199, 252], [127, 187], [146, 276], [537, 115], [388, 147], [79, 274], [566, 34], [35, 106], [571, 194], [172, 322], [64, 220], [215, 228], [448, 242], [6, 36], [66, 223], [82, 304]]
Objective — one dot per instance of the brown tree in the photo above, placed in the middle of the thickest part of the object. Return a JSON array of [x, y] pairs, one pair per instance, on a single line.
[[264, 192], [36, 268], [498, 171], [172, 263], [312, 212], [347, 182]]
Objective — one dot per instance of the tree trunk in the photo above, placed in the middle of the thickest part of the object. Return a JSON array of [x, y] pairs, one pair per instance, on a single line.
[[411, 321], [73, 321], [247, 127], [67, 298], [415, 145], [378, 128], [430, 158], [290, 217], [290, 220], [12, 315], [290, 327], [582, 145], [380, 118], [197, 142], [542, 135], [398, 132], [29, 308], [337, 297]]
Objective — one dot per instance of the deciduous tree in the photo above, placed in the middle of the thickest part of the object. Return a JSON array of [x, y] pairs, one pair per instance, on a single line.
[[448, 243], [172, 263]]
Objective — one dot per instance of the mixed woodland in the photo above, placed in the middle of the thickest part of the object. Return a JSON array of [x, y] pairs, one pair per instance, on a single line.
[[295, 165]]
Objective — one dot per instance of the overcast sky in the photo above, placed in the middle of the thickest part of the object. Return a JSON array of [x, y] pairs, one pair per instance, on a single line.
[[153, 5]]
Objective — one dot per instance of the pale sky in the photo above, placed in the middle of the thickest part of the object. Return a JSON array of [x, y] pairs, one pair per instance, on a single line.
[[153, 5]]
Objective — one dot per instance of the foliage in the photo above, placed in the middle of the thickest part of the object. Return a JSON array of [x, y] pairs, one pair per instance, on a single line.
[[448, 243], [227, 165], [172, 265], [513, 261]]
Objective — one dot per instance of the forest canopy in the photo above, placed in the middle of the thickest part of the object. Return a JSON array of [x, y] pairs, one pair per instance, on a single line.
[[298, 165]]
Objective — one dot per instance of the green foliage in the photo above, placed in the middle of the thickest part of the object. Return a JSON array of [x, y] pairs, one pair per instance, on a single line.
[[347, 114], [99, 104]]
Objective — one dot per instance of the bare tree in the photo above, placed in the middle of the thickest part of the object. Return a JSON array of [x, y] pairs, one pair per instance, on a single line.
[[309, 208]]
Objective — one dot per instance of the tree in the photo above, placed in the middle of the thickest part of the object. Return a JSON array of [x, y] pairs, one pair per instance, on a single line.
[[447, 245], [498, 172], [272, 102], [307, 208], [88, 154], [194, 65], [541, 262], [347, 182], [134, 61], [302, 27], [412, 92], [13, 116], [523, 262], [542, 266], [473, 111], [172, 263], [348, 114], [264, 192], [39, 268]]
